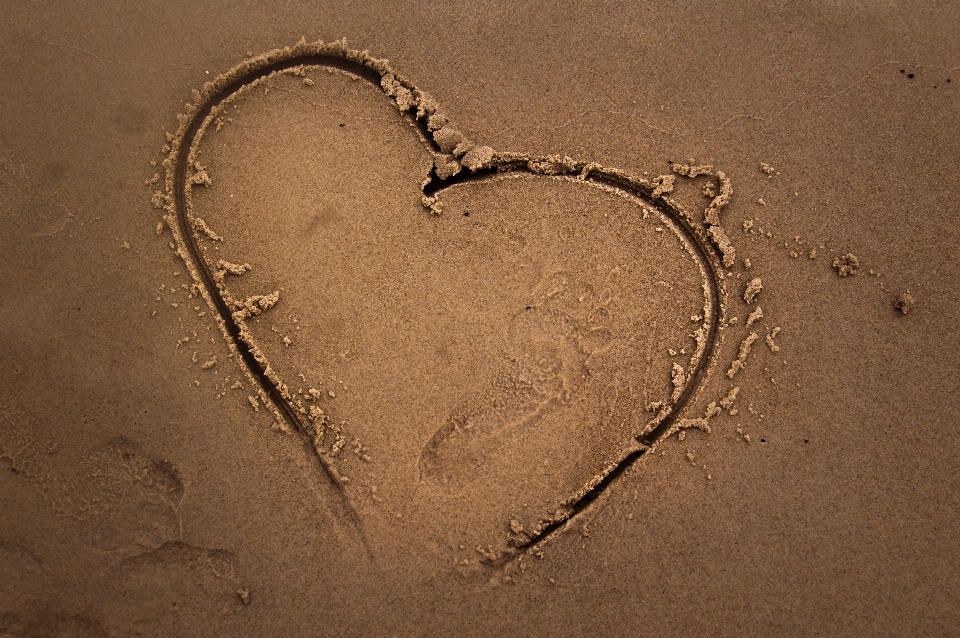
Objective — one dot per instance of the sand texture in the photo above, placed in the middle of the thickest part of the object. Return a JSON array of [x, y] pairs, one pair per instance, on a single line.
[[564, 320]]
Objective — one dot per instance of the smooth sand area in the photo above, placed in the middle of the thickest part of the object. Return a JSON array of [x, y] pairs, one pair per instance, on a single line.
[[576, 319]]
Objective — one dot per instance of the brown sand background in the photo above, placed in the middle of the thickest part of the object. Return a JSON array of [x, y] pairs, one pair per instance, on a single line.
[[139, 502]]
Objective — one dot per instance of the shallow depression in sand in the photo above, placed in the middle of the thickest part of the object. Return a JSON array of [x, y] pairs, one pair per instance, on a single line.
[[467, 372]]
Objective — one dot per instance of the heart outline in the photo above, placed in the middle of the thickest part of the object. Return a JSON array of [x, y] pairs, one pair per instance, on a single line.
[[482, 163]]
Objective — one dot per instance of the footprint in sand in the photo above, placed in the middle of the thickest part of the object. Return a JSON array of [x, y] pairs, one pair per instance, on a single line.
[[116, 497], [547, 363]]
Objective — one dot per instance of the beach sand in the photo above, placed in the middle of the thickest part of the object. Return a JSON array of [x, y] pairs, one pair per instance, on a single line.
[[573, 319]]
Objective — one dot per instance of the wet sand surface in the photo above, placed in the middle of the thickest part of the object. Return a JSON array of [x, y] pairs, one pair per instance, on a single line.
[[493, 402]]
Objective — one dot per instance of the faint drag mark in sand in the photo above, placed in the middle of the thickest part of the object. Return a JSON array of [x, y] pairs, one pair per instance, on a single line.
[[107, 61], [811, 97], [457, 160], [778, 112]]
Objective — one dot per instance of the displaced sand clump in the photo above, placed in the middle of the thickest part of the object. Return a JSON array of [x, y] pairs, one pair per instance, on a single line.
[[712, 218], [712, 213], [752, 290], [847, 265], [665, 184], [662, 185], [722, 241], [904, 303], [741, 361], [691, 169]]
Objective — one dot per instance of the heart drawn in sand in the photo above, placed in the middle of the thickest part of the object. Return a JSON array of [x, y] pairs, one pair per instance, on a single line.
[[475, 340]]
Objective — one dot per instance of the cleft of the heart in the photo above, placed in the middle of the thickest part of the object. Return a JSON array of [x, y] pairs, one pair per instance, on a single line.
[[469, 341]]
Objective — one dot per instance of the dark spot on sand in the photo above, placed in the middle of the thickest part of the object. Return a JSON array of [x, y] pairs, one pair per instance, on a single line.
[[54, 171], [129, 118]]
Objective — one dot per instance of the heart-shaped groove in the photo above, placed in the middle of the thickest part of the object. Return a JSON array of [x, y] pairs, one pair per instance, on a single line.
[[458, 161]]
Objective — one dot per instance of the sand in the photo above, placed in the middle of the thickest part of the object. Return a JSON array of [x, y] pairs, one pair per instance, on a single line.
[[300, 340]]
